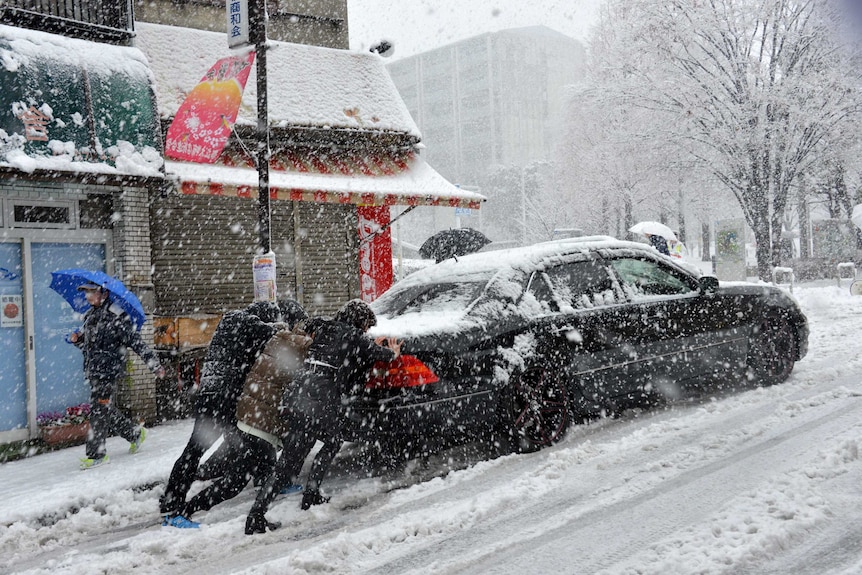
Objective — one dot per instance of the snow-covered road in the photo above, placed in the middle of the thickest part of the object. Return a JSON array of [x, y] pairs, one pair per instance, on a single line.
[[758, 481]]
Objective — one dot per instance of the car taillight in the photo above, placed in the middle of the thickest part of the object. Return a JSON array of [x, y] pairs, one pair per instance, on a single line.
[[406, 371]]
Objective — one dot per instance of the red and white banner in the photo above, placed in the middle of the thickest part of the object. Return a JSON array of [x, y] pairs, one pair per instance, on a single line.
[[375, 255], [203, 123]]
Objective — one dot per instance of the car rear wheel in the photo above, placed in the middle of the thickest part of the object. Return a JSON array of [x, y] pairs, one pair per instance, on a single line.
[[536, 412], [771, 351]]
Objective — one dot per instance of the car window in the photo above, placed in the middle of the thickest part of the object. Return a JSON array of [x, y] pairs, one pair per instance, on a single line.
[[454, 296], [573, 285], [582, 284], [541, 295], [641, 277], [501, 295]]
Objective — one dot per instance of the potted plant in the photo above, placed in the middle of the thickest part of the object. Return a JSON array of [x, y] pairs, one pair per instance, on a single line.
[[65, 427]]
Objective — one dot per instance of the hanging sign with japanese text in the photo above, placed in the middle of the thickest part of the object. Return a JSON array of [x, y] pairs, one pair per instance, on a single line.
[[237, 23], [263, 273], [204, 122]]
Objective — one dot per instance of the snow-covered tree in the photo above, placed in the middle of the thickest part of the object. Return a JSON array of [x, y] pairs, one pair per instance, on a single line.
[[746, 91]]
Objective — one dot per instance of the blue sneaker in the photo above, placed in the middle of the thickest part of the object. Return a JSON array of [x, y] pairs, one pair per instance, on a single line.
[[180, 522], [292, 488]]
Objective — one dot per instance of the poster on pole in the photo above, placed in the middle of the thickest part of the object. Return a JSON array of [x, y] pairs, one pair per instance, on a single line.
[[237, 23], [203, 124], [263, 271]]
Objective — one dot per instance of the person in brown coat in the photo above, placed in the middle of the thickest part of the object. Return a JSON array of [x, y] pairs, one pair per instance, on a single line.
[[339, 359], [260, 424]]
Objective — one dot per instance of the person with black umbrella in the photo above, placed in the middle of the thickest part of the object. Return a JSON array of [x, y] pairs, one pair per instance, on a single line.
[[453, 243]]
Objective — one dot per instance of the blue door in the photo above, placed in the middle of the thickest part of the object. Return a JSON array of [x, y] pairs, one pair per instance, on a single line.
[[59, 365], [13, 383]]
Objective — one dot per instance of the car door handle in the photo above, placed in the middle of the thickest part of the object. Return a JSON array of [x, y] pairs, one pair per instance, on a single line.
[[572, 334], [644, 317]]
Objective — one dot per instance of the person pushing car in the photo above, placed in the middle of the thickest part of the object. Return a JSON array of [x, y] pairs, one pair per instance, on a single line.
[[339, 358]]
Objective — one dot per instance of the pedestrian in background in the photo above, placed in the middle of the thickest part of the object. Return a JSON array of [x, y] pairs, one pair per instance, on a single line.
[[106, 333], [339, 359], [659, 243], [676, 248]]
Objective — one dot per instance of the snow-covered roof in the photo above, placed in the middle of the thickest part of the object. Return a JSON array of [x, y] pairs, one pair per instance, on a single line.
[[507, 268], [45, 79], [307, 85], [29, 44]]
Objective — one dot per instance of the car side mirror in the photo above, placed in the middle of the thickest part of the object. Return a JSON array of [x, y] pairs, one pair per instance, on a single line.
[[708, 284]]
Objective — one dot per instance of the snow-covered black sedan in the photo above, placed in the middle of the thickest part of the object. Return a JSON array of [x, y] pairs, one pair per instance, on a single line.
[[517, 344]]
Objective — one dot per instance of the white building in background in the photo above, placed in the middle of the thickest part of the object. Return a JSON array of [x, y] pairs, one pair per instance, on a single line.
[[497, 99]]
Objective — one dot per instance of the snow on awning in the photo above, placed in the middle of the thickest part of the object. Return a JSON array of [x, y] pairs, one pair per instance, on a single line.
[[367, 180], [340, 130]]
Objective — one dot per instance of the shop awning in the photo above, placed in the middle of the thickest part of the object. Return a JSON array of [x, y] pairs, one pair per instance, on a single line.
[[367, 180], [74, 105]]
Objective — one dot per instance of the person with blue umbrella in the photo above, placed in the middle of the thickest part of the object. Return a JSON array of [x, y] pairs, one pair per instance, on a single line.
[[111, 324]]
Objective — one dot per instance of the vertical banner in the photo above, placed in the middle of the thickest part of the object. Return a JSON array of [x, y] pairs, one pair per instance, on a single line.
[[263, 271], [237, 23], [204, 122], [375, 252]]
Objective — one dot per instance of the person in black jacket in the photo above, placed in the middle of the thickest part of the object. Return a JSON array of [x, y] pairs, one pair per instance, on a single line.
[[222, 461], [236, 343], [103, 339], [339, 359], [260, 425]]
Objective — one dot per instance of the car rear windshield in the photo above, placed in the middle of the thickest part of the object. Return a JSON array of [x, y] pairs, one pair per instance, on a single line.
[[434, 297]]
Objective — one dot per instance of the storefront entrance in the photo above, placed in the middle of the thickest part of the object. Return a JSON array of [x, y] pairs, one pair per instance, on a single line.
[[39, 371]]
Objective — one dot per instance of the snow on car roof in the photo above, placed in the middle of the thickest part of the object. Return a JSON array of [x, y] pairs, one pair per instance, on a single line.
[[480, 265]]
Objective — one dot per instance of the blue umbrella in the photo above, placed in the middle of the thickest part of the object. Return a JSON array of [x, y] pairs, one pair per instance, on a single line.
[[67, 282]]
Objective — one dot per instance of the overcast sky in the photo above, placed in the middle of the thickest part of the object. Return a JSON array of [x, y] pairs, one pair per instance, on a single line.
[[419, 25]]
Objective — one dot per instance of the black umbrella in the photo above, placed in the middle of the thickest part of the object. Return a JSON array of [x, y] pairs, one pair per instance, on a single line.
[[448, 243]]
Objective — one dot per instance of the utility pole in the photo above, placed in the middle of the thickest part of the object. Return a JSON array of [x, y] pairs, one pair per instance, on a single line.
[[523, 206], [263, 267], [258, 23]]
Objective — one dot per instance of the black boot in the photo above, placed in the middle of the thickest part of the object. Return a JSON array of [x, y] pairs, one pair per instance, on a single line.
[[259, 524], [312, 497]]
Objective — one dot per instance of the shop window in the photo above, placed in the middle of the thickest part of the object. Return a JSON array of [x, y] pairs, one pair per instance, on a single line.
[[22, 214]]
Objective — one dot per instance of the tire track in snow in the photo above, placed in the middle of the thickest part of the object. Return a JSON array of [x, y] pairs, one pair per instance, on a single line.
[[587, 528], [418, 518]]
